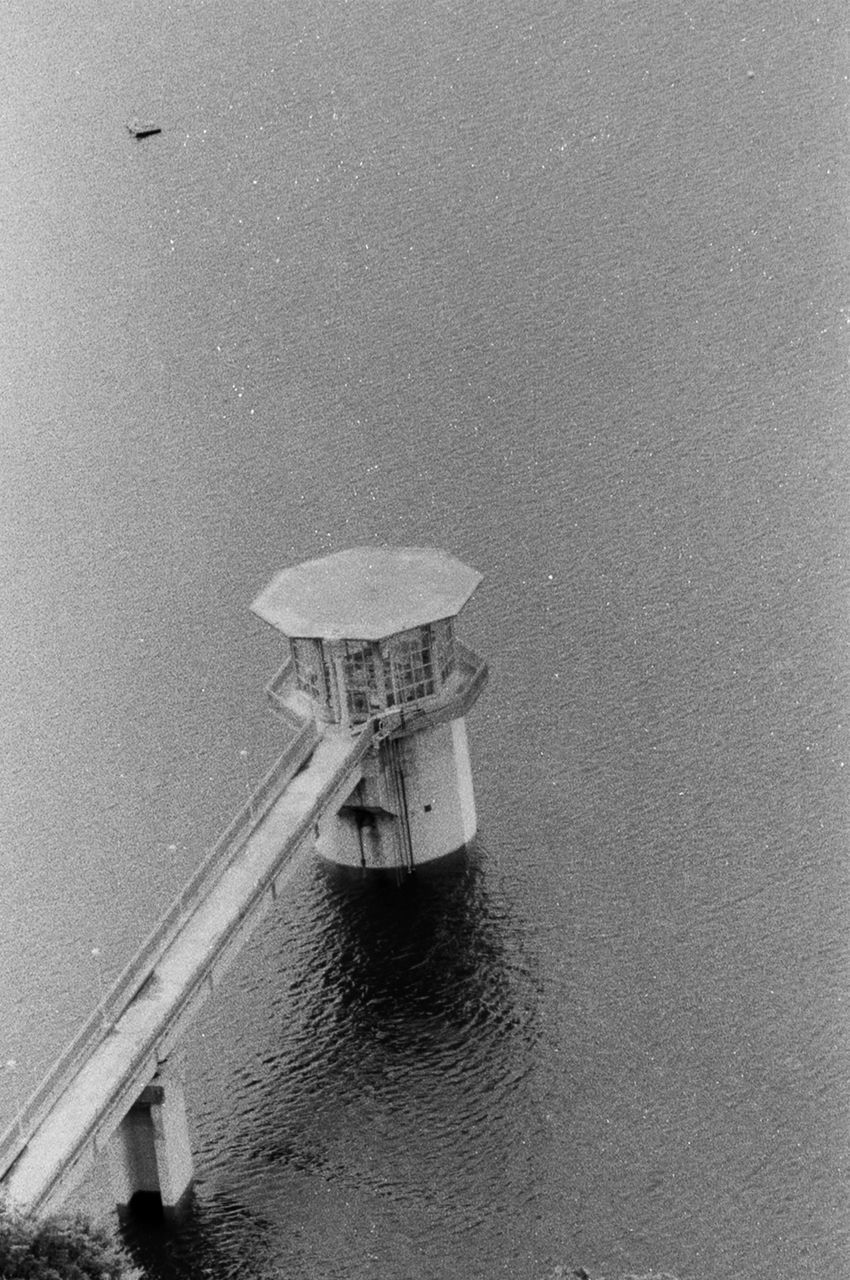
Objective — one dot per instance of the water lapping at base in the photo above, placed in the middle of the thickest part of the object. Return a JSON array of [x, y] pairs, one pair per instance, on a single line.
[[363, 1080]]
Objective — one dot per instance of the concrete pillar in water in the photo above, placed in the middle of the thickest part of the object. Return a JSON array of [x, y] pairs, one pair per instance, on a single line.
[[371, 637], [150, 1150]]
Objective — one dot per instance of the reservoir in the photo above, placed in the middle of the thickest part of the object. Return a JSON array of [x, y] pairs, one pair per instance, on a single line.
[[562, 292]]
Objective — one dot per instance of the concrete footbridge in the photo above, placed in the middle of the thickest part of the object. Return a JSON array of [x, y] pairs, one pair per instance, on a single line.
[[375, 689]]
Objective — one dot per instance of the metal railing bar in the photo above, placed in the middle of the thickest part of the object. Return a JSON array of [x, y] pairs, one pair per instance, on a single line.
[[139, 968]]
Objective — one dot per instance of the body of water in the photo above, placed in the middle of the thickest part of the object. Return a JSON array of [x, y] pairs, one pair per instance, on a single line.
[[563, 291]]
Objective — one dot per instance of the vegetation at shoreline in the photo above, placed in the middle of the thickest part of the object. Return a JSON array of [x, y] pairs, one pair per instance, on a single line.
[[59, 1248], [62, 1247]]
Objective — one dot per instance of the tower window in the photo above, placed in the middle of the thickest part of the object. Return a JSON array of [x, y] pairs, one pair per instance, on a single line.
[[412, 665], [443, 646], [364, 680], [309, 669]]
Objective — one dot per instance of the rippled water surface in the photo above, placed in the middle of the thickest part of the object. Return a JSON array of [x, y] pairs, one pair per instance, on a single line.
[[564, 292], [397, 1035]]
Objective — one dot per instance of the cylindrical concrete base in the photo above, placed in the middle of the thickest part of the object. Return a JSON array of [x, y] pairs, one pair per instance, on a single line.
[[415, 803]]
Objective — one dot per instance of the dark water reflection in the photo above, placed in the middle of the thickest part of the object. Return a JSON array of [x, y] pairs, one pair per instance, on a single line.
[[222, 1238], [379, 1095]]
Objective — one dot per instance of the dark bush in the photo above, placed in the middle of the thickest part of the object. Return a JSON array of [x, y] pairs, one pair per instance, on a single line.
[[59, 1248]]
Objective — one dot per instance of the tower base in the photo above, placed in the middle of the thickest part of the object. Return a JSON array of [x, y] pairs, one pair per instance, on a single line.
[[415, 802]]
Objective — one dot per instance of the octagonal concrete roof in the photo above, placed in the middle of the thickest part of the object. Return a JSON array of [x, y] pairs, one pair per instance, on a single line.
[[366, 593]]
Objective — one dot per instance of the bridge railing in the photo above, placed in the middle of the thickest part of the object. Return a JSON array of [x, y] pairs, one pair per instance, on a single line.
[[361, 742], [216, 861], [473, 676], [279, 685], [139, 969], [284, 697]]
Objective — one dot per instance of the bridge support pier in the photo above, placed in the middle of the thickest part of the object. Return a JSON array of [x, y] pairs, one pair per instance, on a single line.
[[150, 1150]]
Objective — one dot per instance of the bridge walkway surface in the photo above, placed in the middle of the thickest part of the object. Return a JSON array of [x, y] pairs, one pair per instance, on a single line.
[[53, 1154]]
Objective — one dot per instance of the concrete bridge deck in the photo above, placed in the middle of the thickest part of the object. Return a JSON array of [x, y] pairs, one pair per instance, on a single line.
[[51, 1156]]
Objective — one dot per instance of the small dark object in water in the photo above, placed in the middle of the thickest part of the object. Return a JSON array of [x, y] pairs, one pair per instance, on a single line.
[[582, 1273], [143, 130]]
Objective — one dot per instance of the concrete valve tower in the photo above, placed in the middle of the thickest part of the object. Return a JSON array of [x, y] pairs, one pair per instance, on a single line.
[[371, 640]]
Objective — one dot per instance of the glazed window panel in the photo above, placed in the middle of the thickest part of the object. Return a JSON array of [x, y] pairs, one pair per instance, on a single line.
[[309, 668], [364, 680], [443, 645], [413, 665]]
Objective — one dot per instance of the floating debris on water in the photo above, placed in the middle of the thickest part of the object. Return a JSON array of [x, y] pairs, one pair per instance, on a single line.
[[146, 130]]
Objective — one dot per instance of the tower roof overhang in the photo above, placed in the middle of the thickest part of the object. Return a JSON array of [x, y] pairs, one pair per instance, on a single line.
[[366, 593]]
